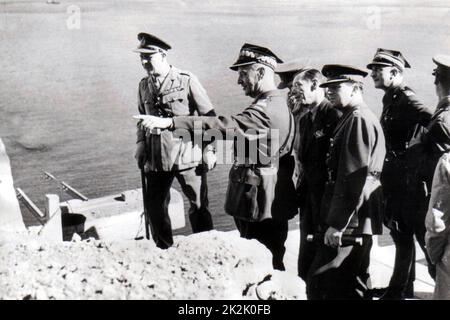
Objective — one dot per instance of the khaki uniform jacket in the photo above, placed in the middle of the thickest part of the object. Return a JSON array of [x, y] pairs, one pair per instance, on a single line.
[[353, 196], [438, 227], [180, 94], [264, 126]]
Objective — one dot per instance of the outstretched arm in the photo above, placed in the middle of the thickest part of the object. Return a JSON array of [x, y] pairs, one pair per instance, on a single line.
[[253, 118]]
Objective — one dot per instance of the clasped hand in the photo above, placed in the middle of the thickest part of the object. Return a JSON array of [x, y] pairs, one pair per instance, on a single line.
[[333, 237], [152, 122]]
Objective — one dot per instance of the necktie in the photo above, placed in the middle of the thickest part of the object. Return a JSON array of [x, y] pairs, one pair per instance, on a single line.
[[307, 136]]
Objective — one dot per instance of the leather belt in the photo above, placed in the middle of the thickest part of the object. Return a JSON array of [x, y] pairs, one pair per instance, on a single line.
[[252, 165]]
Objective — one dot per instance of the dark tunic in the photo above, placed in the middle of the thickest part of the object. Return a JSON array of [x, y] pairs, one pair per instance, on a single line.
[[352, 202], [425, 156], [403, 119], [261, 192], [352, 199], [438, 131]]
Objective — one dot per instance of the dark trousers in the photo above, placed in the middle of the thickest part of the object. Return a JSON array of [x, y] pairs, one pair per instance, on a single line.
[[340, 273], [306, 253], [309, 216], [404, 274], [406, 204], [194, 186], [271, 233]]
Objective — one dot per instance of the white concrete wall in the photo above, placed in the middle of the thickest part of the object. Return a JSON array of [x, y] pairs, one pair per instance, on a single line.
[[10, 215]]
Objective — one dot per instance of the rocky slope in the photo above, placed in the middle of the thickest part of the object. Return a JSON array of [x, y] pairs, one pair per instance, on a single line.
[[211, 265]]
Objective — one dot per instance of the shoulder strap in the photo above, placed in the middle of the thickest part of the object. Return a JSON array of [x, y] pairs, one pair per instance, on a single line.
[[290, 137]]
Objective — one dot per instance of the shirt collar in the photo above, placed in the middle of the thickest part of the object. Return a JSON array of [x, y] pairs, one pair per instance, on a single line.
[[266, 94], [444, 102]]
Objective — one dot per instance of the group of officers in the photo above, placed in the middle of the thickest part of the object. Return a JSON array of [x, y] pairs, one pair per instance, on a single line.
[[345, 171]]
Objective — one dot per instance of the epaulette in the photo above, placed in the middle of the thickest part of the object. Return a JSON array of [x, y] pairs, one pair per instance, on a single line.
[[275, 97], [184, 73], [272, 100], [408, 91], [441, 116], [262, 102]]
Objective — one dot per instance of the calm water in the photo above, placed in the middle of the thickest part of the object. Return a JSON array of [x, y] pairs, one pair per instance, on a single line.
[[67, 96]]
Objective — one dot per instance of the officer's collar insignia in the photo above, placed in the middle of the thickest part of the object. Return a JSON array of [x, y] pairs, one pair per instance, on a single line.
[[319, 134]]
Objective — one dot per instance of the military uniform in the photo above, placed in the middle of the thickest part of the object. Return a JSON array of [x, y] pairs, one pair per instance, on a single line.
[[438, 224], [435, 141], [352, 198], [438, 142], [170, 156], [438, 221], [403, 119], [260, 195], [437, 136], [314, 133]]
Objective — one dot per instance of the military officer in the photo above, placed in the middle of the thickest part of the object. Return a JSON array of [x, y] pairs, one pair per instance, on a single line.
[[313, 136], [438, 216], [287, 72], [168, 91], [436, 145], [435, 141], [403, 119], [261, 193], [351, 205], [437, 135]]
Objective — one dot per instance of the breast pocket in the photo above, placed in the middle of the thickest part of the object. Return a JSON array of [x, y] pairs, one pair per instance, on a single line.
[[177, 102]]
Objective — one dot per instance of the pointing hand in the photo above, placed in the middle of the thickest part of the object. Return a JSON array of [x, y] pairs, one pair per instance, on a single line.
[[152, 122]]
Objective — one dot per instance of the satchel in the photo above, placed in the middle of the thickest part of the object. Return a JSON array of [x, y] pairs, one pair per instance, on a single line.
[[241, 199]]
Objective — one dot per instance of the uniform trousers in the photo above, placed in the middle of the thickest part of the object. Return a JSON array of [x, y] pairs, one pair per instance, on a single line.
[[270, 232], [406, 204], [194, 186], [404, 273], [340, 273], [309, 216]]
